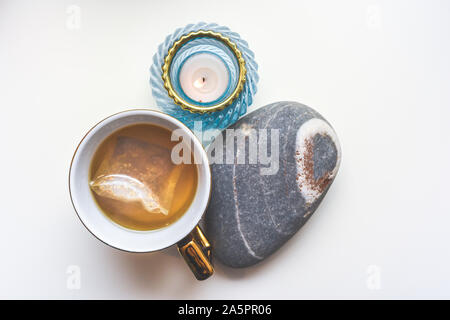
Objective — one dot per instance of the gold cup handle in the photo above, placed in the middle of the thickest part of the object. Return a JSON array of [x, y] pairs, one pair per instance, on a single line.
[[196, 251]]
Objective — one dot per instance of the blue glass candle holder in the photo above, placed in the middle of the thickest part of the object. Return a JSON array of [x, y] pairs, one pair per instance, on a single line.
[[225, 46]]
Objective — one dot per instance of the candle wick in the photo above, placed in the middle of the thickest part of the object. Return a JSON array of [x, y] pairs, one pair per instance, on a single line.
[[204, 79]]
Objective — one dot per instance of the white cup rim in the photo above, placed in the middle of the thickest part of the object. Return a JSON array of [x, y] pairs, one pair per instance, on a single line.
[[104, 229]]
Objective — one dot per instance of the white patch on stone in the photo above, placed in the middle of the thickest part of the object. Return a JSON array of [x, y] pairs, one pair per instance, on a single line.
[[305, 133], [246, 129]]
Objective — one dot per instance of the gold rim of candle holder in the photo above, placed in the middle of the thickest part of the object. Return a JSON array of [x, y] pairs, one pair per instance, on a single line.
[[168, 82]]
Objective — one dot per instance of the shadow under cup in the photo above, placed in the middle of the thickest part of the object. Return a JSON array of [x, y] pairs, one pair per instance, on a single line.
[[106, 230]]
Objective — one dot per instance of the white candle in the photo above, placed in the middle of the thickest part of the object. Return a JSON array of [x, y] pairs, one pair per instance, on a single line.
[[204, 77]]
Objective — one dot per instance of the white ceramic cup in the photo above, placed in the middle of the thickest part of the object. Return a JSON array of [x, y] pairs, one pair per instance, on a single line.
[[191, 242]]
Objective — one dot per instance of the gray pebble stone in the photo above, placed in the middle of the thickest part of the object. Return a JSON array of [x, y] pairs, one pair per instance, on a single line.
[[256, 207]]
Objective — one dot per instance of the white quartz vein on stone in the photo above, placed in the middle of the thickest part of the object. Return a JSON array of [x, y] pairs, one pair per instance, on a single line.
[[266, 205], [238, 221], [283, 148], [272, 116]]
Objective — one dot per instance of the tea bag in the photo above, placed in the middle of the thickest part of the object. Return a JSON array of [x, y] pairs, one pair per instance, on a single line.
[[138, 171]]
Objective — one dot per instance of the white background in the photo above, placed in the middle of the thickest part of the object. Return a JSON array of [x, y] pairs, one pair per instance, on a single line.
[[379, 71]]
